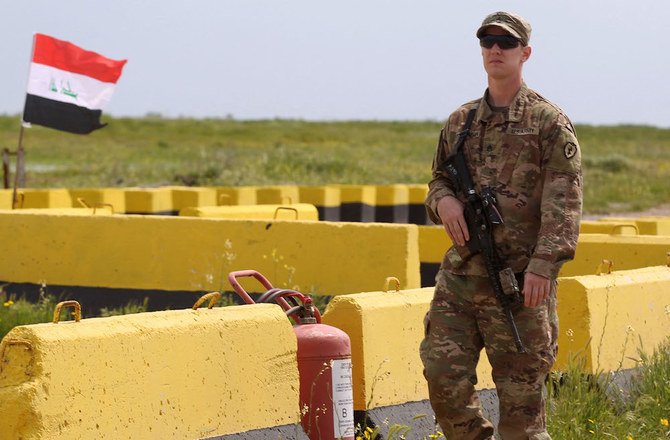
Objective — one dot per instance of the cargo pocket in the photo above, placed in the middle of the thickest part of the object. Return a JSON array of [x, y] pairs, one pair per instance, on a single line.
[[424, 346], [456, 256]]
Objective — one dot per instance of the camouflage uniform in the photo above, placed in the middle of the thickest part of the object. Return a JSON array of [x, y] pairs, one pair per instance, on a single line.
[[529, 156]]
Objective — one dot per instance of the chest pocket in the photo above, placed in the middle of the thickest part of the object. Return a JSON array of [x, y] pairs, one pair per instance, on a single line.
[[521, 158]]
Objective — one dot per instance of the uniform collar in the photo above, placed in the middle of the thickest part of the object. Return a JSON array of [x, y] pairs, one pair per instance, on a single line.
[[513, 114]]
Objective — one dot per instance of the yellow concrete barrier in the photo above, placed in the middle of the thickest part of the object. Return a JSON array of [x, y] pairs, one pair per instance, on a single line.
[[236, 195], [194, 254], [433, 243], [392, 203], [325, 198], [648, 225], [358, 203], [183, 197], [280, 194], [44, 198], [181, 374], [386, 329], [603, 318], [417, 209], [149, 201], [6, 196], [613, 227], [98, 197], [624, 251], [102, 210], [296, 211]]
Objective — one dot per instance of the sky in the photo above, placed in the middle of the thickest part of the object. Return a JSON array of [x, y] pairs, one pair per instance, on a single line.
[[603, 63]]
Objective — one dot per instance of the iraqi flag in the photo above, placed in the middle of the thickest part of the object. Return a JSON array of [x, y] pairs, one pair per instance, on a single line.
[[68, 86]]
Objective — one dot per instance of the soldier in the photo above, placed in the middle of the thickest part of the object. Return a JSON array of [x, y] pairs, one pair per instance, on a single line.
[[524, 148]]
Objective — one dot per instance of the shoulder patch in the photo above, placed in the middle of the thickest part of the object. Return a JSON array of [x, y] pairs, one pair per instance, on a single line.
[[570, 150]]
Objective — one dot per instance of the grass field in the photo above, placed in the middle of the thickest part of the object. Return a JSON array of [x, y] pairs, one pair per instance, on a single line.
[[626, 168]]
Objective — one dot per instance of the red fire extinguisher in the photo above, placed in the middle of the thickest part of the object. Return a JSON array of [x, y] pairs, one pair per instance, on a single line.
[[324, 362]]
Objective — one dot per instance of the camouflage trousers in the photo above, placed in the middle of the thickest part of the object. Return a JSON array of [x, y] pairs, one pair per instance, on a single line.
[[465, 317]]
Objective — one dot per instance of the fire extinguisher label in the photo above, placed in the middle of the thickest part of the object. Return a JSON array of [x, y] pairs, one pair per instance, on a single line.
[[343, 398]]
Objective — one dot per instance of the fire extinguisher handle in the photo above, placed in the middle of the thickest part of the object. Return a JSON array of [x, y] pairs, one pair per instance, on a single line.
[[232, 279]]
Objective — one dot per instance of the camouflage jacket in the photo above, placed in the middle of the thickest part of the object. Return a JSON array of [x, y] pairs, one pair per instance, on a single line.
[[530, 157]]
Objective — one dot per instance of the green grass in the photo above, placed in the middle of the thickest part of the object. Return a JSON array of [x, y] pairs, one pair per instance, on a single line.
[[625, 167], [20, 311], [15, 312], [595, 407]]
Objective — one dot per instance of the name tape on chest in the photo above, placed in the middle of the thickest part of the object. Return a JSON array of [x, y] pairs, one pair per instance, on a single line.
[[523, 131]]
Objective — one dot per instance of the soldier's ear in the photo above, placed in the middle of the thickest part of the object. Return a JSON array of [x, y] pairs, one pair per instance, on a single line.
[[525, 53]]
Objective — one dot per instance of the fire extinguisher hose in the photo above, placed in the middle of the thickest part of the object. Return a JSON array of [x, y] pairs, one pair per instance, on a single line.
[[289, 294]]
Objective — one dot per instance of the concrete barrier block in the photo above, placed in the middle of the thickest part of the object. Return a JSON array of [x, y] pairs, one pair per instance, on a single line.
[[236, 195], [195, 254], [180, 374], [6, 197], [280, 194], [44, 198], [149, 201], [325, 198], [386, 329], [647, 225], [392, 203], [296, 211], [417, 209], [603, 318], [654, 225], [433, 243], [613, 227], [98, 197], [101, 211], [183, 197], [625, 252], [358, 203]]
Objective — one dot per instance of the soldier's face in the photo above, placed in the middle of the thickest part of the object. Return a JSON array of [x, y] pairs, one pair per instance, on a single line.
[[502, 63]]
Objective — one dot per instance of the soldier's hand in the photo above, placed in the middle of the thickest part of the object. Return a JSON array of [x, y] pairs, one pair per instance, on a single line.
[[536, 289], [450, 210]]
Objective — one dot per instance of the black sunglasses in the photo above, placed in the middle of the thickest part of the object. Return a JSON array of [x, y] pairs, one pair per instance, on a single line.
[[503, 41]]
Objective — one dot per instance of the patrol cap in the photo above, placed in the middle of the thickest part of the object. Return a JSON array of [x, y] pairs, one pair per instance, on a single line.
[[516, 25]]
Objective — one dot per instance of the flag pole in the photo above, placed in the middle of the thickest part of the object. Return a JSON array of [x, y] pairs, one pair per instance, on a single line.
[[19, 174]]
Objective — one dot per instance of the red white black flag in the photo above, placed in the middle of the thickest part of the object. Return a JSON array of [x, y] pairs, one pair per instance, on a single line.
[[68, 86]]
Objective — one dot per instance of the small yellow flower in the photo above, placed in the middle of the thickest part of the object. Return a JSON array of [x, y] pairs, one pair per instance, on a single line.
[[664, 422], [592, 431], [8, 303], [630, 437]]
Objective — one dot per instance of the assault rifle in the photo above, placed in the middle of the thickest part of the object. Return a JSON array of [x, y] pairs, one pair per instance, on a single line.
[[481, 215]]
